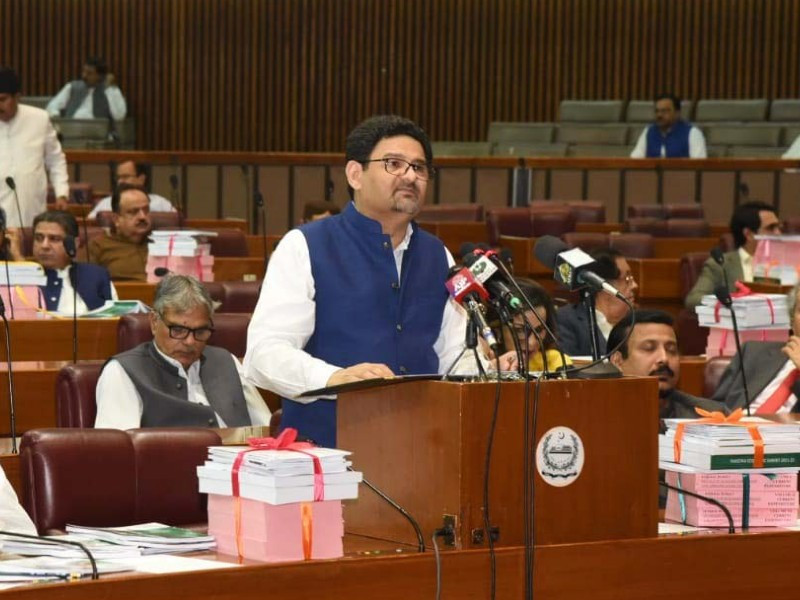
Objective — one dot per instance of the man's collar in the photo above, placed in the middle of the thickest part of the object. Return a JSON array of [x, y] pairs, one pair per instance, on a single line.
[[175, 363]]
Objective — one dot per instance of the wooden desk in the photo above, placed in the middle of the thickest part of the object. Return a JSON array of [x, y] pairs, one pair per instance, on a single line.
[[454, 234], [136, 290], [51, 339], [673, 567], [238, 268], [35, 394], [255, 244]]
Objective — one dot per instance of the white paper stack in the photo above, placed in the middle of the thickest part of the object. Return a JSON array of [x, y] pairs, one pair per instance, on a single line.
[[723, 447], [278, 476], [43, 547], [150, 538], [22, 273], [752, 312], [180, 242]]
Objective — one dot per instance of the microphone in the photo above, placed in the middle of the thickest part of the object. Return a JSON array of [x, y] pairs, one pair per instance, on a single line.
[[508, 258], [483, 269], [717, 503], [5, 262], [161, 271], [72, 251], [176, 198], [258, 199], [13, 185], [12, 413], [79, 200], [465, 249], [724, 297], [467, 291], [572, 267]]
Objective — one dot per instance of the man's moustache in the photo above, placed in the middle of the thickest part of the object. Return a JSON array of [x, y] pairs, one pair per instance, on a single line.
[[665, 370]]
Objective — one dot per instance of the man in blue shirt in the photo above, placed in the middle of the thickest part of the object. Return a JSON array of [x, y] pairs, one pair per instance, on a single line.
[[670, 136]]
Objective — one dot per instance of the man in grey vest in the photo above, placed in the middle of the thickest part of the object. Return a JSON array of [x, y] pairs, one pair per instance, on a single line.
[[94, 96], [177, 380]]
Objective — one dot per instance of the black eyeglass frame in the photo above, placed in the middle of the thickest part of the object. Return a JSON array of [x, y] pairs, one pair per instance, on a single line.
[[428, 169], [175, 330]]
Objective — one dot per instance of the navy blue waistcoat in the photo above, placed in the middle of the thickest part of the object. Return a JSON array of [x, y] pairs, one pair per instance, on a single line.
[[363, 313], [676, 141], [94, 286]]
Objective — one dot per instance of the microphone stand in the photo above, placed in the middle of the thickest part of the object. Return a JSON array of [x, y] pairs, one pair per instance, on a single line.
[[12, 413], [470, 343], [8, 276], [79, 200], [13, 185], [600, 369], [69, 246], [258, 199]]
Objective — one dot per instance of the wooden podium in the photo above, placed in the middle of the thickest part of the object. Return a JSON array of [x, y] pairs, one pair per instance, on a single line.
[[424, 444]]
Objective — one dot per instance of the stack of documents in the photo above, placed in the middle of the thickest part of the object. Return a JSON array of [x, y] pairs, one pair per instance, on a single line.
[[776, 259], [180, 242], [278, 476], [117, 308], [22, 273], [149, 538], [756, 311], [100, 549], [719, 447], [46, 568]]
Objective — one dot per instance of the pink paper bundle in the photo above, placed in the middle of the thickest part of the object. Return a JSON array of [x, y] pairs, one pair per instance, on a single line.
[[199, 267], [777, 259], [27, 301], [277, 533], [759, 501], [721, 342]]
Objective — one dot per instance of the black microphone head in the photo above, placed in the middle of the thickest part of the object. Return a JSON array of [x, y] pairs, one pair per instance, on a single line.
[[11, 183], [465, 248], [258, 197], [482, 246], [469, 259], [2, 220], [716, 254], [69, 246], [173, 181], [506, 256], [547, 248], [161, 271], [723, 295]]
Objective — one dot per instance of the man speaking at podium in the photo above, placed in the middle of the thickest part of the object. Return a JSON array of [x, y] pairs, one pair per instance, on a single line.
[[358, 295]]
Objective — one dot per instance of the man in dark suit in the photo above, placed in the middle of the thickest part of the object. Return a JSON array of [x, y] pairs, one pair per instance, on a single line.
[[748, 220], [51, 231], [771, 369], [573, 323], [652, 350]]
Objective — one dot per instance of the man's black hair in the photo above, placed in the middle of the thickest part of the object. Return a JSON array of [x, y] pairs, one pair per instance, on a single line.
[[676, 102], [99, 65], [643, 316], [59, 217], [9, 81], [606, 259], [746, 216], [116, 195]]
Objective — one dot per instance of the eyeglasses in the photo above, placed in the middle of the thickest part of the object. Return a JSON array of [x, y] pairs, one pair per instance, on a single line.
[[179, 332], [399, 167], [628, 279]]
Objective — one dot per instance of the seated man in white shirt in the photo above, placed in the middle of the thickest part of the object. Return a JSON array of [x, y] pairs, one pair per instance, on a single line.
[[670, 136], [71, 286], [12, 516], [130, 172], [94, 96], [748, 220], [177, 380]]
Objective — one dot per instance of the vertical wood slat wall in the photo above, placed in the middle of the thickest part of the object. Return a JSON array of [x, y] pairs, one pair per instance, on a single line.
[[298, 74]]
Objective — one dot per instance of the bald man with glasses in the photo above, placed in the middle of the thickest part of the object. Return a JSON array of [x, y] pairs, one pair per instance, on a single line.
[[177, 380]]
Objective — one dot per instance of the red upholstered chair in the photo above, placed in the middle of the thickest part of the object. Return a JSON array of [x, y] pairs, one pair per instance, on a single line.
[[684, 211], [438, 213], [688, 228], [517, 222], [554, 221], [689, 270], [106, 477], [240, 296], [229, 242], [715, 367], [230, 332], [652, 211], [216, 290], [588, 211], [691, 337], [75, 398], [652, 225], [586, 241], [633, 245]]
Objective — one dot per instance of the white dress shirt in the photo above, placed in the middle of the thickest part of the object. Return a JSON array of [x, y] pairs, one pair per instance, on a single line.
[[602, 324], [747, 264], [116, 103], [65, 300], [30, 152], [284, 318], [773, 385], [12, 516], [157, 204], [697, 145], [119, 405]]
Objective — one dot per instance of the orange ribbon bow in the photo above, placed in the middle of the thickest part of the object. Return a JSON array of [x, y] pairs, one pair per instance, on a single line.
[[718, 418]]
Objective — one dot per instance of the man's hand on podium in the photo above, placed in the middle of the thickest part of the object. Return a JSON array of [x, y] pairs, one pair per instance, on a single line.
[[359, 372]]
